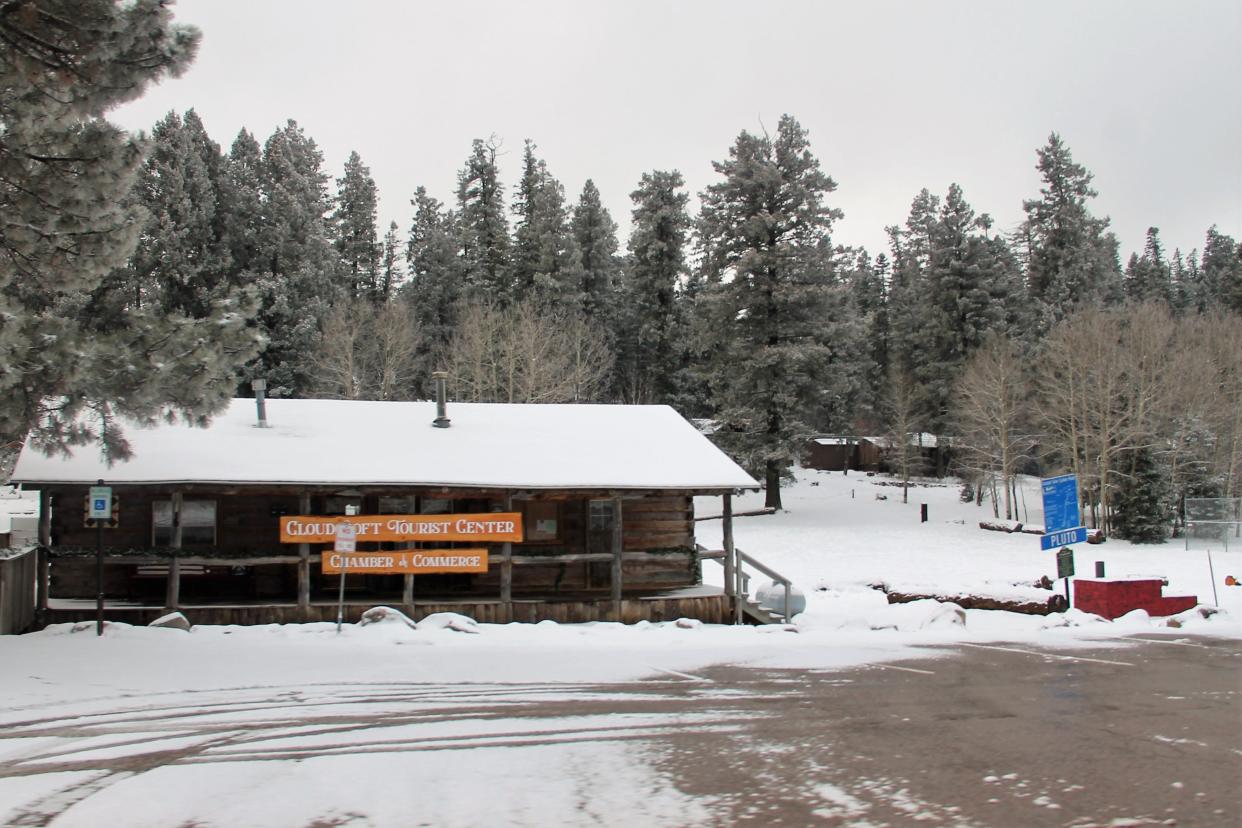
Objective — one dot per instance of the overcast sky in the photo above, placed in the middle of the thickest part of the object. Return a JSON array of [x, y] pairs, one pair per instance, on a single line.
[[896, 96]]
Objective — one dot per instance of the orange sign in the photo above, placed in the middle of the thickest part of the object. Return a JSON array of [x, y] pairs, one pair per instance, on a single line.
[[408, 561], [489, 526]]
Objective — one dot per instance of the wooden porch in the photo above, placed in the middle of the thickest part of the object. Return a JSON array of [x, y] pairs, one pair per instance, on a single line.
[[707, 604]]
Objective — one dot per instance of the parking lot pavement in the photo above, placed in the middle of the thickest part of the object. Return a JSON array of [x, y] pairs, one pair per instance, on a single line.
[[1130, 732], [1136, 732]]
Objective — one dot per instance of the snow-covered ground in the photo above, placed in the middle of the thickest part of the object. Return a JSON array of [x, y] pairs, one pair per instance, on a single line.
[[297, 725], [836, 537]]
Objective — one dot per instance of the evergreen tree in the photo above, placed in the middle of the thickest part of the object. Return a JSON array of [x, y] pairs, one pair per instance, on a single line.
[[482, 227], [390, 273], [240, 196], [77, 347], [1183, 281], [649, 339], [1072, 258], [596, 236], [546, 261], [1148, 278], [299, 272], [956, 285], [766, 229], [867, 281], [434, 288], [1142, 504], [182, 260], [354, 233], [1222, 273], [911, 251]]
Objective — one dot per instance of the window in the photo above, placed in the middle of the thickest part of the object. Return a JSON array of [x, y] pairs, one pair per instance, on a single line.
[[601, 515], [541, 521], [434, 506], [396, 505], [343, 505], [198, 523]]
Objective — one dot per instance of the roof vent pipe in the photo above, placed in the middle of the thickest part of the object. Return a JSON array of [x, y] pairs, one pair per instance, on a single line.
[[260, 399], [441, 380]]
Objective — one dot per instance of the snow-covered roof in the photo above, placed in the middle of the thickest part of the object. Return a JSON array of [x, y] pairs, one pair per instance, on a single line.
[[377, 443]]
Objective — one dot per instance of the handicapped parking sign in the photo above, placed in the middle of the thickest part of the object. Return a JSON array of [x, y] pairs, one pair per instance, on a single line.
[[100, 503]]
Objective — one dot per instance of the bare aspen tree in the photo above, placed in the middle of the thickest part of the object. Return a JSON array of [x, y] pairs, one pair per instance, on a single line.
[[392, 358], [527, 353], [1103, 390], [338, 372], [989, 410], [1222, 349], [367, 351], [903, 408]]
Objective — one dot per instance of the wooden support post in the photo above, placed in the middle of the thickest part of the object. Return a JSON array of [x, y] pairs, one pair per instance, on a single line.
[[43, 564], [304, 507], [618, 550], [506, 570], [173, 596], [407, 594], [732, 570]]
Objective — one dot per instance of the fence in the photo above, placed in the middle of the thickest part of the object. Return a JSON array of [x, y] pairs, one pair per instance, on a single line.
[[17, 592], [1214, 523]]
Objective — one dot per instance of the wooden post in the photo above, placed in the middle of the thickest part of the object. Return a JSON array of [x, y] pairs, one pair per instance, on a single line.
[[618, 549], [43, 564], [304, 507], [506, 570], [173, 596], [732, 570], [407, 593]]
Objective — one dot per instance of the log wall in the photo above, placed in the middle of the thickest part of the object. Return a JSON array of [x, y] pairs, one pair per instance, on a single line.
[[247, 526]]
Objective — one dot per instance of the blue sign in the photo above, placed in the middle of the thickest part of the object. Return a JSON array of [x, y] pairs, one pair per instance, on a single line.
[[99, 503], [1055, 540], [1062, 524]]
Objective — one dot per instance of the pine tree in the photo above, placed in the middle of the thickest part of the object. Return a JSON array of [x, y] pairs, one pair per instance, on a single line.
[[354, 233], [596, 235], [182, 261], [766, 228], [434, 288], [1142, 507], [1148, 278], [390, 273], [1222, 273], [867, 282], [547, 265], [954, 284], [240, 197], [299, 271], [1072, 258], [650, 330], [911, 248], [77, 346], [482, 227]]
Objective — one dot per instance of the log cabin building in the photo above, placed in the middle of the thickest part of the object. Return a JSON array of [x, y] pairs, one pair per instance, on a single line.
[[214, 521]]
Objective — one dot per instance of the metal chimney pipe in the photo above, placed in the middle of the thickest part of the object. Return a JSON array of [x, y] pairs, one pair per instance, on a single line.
[[260, 400], [441, 380]]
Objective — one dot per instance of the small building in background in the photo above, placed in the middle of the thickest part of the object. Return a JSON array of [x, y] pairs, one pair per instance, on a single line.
[[834, 452]]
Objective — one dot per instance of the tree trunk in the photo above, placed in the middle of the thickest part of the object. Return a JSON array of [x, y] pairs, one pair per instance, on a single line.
[[772, 476]]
